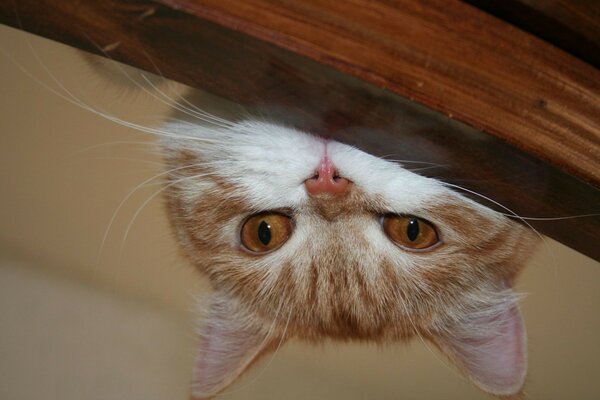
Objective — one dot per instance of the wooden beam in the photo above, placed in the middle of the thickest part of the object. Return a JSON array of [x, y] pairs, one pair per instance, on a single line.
[[571, 25], [444, 54], [294, 89]]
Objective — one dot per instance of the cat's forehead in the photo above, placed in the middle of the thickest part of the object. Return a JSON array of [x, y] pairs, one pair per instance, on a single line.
[[268, 165]]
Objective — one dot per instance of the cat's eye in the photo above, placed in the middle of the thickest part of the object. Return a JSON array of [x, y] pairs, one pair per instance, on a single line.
[[264, 232], [410, 232]]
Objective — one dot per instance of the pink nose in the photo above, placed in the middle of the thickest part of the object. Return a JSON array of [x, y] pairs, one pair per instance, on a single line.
[[326, 180]]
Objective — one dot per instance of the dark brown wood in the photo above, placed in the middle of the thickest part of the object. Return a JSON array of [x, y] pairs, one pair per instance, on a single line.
[[572, 25], [314, 97], [447, 55]]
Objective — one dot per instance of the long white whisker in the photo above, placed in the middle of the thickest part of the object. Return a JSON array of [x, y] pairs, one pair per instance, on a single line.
[[400, 300], [511, 212], [79, 103], [201, 115], [172, 103], [131, 192], [555, 218], [425, 168], [413, 162], [193, 107], [279, 344], [193, 110], [515, 215], [139, 210]]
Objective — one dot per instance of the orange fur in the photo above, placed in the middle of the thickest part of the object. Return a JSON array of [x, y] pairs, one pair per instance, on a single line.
[[338, 284]]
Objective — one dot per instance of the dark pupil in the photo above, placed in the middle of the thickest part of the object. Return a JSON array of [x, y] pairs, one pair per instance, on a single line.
[[412, 231], [264, 233]]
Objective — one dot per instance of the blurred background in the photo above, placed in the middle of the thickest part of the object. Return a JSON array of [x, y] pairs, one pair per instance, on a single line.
[[97, 303]]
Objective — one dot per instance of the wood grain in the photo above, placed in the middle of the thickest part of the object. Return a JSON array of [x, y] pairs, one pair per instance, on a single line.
[[571, 25], [293, 89], [447, 55]]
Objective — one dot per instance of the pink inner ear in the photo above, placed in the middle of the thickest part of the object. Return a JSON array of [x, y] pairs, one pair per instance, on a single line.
[[222, 356], [492, 351], [229, 343]]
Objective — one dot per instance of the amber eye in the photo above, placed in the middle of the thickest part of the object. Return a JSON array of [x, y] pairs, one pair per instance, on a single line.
[[410, 232], [265, 232]]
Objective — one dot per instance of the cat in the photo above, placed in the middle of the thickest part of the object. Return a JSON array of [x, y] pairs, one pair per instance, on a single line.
[[305, 237], [308, 238]]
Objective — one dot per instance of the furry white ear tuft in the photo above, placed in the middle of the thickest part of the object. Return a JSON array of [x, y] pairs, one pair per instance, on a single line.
[[230, 342], [491, 350]]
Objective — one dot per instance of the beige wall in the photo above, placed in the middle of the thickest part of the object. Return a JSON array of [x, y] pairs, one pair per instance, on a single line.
[[64, 171]]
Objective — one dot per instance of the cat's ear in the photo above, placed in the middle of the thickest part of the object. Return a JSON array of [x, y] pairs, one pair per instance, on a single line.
[[230, 340], [489, 345]]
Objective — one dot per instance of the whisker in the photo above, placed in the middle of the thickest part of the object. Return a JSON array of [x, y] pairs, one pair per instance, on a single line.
[[426, 168], [172, 103], [279, 344], [193, 106], [139, 210], [400, 300], [555, 218], [131, 192], [511, 215], [71, 98], [197, 113], [411, 161]]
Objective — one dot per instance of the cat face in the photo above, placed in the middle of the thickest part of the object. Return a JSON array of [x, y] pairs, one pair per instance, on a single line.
[[310, 238]]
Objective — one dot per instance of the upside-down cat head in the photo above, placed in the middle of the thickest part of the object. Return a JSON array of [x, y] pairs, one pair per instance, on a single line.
[[309, 238]]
